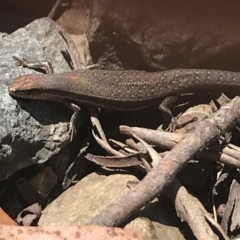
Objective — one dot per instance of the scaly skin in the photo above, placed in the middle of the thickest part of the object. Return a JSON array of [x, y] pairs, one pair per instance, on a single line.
[[122, 89]]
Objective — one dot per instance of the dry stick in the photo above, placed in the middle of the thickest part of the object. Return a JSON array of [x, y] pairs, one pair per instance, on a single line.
[[122, 146], [167, 140], [105, 145], [221, 157], [230, 220], [232, 146], [102, 140], [54, 9], [164, 172], [115, 162], [231, 152], [190, 210]]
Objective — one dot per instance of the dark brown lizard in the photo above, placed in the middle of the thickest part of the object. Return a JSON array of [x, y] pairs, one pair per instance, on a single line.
[[122, 89]]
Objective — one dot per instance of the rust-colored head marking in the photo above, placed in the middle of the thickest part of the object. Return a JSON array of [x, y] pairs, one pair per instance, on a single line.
[[78, 79], [22, 83]]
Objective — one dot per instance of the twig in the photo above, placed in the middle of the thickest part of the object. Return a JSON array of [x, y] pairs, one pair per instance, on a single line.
[[102, 140], [167, 140], [105, 145], [188, 208], [54, 9], [116, 162], [153, 184]]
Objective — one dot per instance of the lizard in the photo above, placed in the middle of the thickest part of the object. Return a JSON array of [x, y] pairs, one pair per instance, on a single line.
[[122, 90]]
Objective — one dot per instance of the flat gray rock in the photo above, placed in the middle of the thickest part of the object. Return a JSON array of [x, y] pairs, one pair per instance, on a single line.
[[79, 204]]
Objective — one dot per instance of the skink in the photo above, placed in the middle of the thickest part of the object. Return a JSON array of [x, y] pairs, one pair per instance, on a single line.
[[121, 89]]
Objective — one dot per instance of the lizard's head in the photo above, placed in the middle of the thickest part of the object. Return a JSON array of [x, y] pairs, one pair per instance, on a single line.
[[24, 86]]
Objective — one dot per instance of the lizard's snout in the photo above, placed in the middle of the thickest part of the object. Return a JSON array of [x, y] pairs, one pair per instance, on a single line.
[[21, 83]]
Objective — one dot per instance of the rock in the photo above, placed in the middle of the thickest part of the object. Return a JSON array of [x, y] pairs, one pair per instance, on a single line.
[[81, 203], [31, 132], [155, 230], [176, 34]]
